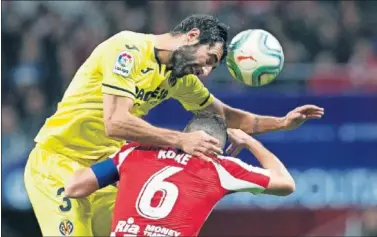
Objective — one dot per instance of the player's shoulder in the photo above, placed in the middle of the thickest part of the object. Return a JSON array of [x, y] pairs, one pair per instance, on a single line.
[[232, 162], [229, 158], [188, 82], [235, 165], [129, 145], [135, 42], [133, 37], [191, 78]]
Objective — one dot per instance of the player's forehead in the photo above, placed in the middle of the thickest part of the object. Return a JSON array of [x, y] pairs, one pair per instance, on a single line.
[[215, 50]]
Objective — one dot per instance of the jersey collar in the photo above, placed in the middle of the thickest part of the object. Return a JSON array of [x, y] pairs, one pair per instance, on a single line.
[[161, 66], [155, 50]]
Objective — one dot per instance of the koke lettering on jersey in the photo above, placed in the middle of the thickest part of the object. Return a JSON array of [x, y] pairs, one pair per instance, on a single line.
[[180, 158]]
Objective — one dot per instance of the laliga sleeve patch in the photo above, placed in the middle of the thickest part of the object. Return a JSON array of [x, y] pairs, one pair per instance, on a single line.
[[124, 64]]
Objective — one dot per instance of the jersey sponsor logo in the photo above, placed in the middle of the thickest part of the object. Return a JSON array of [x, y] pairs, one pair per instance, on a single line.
[[146, 70], [127, 227], [66, 227], [153, 230], [131, 47], [180, 158], [124, 63], [144, 95]]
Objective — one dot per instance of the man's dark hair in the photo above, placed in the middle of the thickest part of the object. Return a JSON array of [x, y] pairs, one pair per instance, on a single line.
[[211, 123], [211, 30]]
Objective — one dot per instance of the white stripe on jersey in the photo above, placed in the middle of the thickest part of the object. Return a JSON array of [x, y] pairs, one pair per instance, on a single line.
[[231, 183], [246, 166], [123, 155]]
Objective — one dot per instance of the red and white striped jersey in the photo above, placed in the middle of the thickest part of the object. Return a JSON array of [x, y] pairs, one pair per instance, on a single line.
[[166, 192]]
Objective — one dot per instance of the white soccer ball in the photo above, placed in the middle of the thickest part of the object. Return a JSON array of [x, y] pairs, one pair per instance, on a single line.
[[255, 57]]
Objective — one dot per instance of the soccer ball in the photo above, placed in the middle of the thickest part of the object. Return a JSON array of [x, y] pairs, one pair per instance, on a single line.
[[255, 57]]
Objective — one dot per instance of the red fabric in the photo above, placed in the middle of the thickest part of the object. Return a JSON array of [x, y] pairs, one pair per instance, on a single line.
[[165, 191]]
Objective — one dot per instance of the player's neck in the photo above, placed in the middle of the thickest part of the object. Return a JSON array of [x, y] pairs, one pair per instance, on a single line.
[[166, 44]]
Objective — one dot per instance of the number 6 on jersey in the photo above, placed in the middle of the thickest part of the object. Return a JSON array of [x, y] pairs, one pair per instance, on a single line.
[[156, 184]]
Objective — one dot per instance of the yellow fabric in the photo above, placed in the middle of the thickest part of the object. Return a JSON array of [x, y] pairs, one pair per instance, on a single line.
[[77, 128], [45, 175], [74, 137]]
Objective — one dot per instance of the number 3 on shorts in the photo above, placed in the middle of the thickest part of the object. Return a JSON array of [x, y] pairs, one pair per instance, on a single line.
[[155, 184], [67, 205]]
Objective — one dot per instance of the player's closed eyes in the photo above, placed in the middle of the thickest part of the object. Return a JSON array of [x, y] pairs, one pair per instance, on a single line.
[[212, 59]]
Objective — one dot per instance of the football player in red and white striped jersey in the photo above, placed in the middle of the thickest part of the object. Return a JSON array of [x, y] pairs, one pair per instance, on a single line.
[[163, 191]]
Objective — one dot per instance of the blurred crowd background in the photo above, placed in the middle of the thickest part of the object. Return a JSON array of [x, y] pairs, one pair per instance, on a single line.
[[330, 51]]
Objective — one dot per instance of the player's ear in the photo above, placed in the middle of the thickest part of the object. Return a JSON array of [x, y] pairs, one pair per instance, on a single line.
[[193, 36]]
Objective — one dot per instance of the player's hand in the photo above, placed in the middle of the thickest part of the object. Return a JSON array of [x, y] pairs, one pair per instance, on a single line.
[[300, 114], [199, 144], [239, 140]]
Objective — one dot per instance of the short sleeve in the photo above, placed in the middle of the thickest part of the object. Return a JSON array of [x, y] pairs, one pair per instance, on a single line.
[[118, 69], [192, 94], [237, 176]]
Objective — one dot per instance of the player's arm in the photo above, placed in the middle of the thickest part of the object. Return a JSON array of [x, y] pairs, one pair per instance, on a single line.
[[257, 124], [85, 181], [121, 124], [119, 94], [280, 181], [119, 68], [246, 121], [194, 96], [82, 183]]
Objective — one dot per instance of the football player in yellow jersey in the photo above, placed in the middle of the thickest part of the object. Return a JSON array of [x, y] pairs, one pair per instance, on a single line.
[[126, 76]]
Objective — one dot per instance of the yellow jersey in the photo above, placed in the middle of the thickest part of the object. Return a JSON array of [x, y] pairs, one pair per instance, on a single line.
[[123, 65]]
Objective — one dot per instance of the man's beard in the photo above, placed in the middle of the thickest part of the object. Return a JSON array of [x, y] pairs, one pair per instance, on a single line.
[[182, 61]]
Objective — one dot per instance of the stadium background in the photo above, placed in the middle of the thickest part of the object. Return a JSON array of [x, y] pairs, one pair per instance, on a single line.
[[331, 61]]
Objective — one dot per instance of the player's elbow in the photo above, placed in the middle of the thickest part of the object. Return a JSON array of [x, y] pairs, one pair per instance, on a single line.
[[287, 188], [117, 115], [114, 125], [110, 127], [281, 186]]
